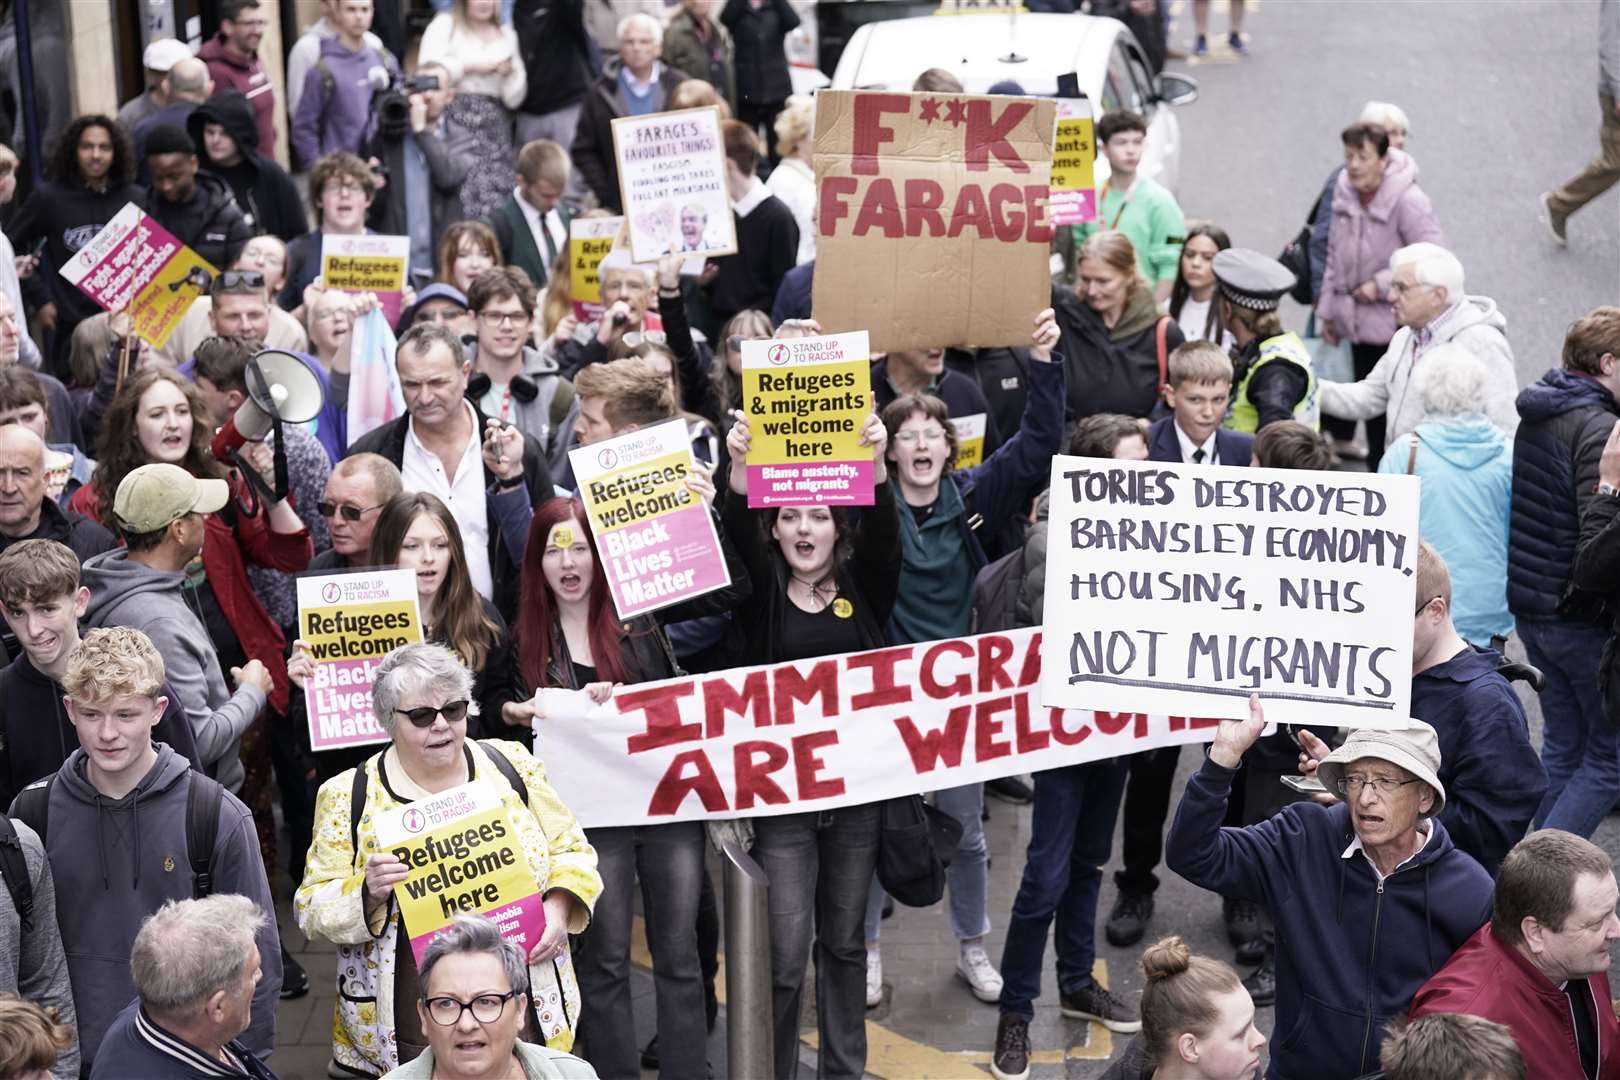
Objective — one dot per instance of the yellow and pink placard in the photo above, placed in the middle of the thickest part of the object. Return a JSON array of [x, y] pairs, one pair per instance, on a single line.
[[807, 399]]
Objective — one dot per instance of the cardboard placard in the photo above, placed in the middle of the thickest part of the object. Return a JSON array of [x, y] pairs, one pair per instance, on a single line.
[[1185, 588], [655, 538], [351, 622], [464, 856], [807, 399], [368, 264], [672, 179], [136, 264], [1074, 162], [589, 241], [969, 439], [931, 219]]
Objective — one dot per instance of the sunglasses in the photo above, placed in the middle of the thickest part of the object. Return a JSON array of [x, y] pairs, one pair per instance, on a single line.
[[349, 511], [241, 279], [453, 712], [636, 338]]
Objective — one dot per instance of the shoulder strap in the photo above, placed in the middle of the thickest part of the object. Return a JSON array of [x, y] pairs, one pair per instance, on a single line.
[[14, 869], [328, 92], [1159, 342], [1411, 458], [32, 806], [504, 767], [202, 831], [357, 806]]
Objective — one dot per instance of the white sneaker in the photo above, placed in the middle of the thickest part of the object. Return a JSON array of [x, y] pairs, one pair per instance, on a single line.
[[874, 978], [974, 968]]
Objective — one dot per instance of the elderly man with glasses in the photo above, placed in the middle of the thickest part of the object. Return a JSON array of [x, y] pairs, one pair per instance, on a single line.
[[1369, 896]]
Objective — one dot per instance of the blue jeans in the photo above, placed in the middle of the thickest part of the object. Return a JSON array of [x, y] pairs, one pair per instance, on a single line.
[[669, 861], [968, 875], [1071, 835], [819, 865], [1579, 748]]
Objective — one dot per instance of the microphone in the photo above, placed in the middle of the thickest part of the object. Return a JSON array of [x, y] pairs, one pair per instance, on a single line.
[[378, 78]]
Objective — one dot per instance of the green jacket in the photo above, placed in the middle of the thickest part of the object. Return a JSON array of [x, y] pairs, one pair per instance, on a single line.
[[683, 49], [1151, 218], [538, 1063]]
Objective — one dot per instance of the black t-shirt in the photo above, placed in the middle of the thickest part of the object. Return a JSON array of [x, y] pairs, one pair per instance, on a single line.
[[828, 632], [584, 674], [1586, 1039]]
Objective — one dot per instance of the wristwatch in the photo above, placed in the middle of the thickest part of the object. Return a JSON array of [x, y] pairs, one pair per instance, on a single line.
[[1606, 488]]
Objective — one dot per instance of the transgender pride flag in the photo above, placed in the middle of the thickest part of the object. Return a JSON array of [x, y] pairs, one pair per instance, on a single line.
[[374, 394]]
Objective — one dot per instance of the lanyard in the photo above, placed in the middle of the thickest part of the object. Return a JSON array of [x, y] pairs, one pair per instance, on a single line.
[[1107, 187]]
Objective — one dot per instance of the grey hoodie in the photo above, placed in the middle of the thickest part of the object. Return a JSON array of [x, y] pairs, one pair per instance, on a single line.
[[536, 417], [117, 861], [127, 593], [31, 963]]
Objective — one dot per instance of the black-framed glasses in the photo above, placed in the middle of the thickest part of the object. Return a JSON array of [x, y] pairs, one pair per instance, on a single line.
[[452, 711], [1384, 785], [241, 279], [504, 318], [1425, 604], [328, 509], [486, 1008]]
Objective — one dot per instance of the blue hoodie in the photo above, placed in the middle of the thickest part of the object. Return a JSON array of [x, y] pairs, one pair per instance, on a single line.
[[1351, 951], [1565, 420], [1493, 779], [1467, 469]]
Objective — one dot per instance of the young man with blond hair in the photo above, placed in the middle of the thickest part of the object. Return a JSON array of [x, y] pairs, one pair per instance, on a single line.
[[1198, 390], [619, 397], [531, 226], [125, 823]]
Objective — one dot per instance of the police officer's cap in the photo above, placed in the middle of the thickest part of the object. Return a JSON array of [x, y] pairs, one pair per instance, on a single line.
[[1251, 280]]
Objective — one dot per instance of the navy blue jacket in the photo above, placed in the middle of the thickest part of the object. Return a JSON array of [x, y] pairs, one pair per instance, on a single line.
[[135, 1048], [1350, 952], [793, 295], [961, 395], [1493, 778], [1231, 447], [1565, 418]]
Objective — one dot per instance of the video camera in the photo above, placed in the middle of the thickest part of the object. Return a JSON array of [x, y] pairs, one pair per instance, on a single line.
[[391, 99]]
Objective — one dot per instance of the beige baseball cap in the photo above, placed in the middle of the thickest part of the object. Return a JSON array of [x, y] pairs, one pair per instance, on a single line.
[[153, 496]]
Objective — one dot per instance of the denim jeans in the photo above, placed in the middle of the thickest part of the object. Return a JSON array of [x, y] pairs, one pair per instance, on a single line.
[[1579, 747], [669, 861], [968, 875], [819, 866], [1071, 835]]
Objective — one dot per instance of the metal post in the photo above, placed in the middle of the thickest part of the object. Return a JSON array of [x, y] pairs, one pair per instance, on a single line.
[[749, 1014]]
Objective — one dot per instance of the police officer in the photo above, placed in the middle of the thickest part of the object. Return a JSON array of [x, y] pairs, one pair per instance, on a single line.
[[1274, 376]]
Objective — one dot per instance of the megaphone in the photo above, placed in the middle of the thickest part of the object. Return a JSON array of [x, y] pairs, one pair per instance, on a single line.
[[279, 384]]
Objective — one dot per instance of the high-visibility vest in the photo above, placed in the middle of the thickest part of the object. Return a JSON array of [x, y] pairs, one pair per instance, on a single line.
[[1289, 348]]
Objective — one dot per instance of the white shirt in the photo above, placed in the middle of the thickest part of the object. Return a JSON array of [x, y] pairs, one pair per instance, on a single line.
[[1188, 446], [540, 225], [1424, 831], [794, 183], [422, 470], [756, 194]]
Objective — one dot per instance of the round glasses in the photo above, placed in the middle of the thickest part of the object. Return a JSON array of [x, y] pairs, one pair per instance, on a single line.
[[486, 1008]]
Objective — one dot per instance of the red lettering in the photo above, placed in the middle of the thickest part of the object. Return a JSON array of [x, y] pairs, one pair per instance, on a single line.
[[754, 777], [994, 652], [885, 691], [664, 725], [986, 728], [1036, 199], [970, 212], [923, 201], [1027, 740], [870, 134], [961, 686], [806, 764], [1061, 734], [719, 699], [932, 749], [1031, 672], [880, 209], [673, 787], [788, 687], [987, 134], [1110, 723], [834, 209], [1009, 224]]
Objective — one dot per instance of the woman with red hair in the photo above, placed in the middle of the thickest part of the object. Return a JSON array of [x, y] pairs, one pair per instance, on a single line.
[[570, 636]]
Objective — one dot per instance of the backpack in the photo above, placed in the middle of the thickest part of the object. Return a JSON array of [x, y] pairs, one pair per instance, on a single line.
[[14, 870], [1296, 255], [357, 795], [203, 797], [329, 86], [995, 594]]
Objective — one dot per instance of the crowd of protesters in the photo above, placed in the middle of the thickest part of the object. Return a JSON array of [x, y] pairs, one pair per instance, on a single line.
[[1436, 910]]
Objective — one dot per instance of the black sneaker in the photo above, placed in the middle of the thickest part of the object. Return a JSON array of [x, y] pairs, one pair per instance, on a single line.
[[1011, 1059], [1262, 982], [294, 979], [1094, 1002], [1250, 952], [1128, 921], [1010, 789], [649, 1054], [1242, 922]]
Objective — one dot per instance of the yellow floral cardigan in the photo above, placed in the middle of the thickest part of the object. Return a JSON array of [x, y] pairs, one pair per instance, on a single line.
[[328, 905]]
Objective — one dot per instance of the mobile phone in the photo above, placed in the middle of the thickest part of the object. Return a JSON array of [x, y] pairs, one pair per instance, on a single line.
[[1305, 785], [39, 247]]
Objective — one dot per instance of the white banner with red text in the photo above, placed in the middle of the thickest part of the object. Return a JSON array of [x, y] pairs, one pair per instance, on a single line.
[[819, 734]]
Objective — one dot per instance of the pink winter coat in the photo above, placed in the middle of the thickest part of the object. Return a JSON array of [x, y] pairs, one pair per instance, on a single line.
[[1360, 241]]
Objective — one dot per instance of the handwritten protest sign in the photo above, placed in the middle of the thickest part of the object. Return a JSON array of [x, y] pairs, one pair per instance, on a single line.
[[807, 399], [656, 540], [464, 856], [819, 734], [1074, 160], [351, 622], [980, 7], [373, 264], [931, 218], [589, 241], [672, 178], [136, 264], [969, 439], [1186, 588]]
